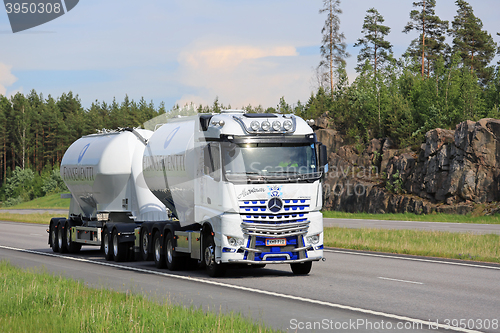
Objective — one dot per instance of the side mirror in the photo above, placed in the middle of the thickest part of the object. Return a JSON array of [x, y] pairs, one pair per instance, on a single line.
[[323, 155]]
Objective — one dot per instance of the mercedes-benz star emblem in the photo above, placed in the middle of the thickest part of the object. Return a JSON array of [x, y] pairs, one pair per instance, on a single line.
[[275, 204]]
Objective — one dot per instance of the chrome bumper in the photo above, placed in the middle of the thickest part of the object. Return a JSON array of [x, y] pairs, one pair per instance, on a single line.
[[241, 261]]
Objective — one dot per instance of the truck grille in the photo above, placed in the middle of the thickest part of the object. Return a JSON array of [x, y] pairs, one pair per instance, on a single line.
[[259, 221]]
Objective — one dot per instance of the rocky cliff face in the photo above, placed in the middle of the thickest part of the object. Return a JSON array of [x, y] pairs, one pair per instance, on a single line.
[[451, 172]]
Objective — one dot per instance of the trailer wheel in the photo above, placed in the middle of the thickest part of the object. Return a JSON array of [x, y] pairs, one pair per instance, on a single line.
[[146, 255], [53, 238], [120, 251], [159, 257], [70, 245], [60, 239], [107, 246], [173, 263], [301, 268], [213, 269]]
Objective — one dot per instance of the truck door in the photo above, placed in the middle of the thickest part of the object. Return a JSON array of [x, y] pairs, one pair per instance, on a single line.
[[211, 176]]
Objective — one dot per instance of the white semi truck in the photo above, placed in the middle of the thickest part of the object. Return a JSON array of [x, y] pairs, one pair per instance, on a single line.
[[212, 189]]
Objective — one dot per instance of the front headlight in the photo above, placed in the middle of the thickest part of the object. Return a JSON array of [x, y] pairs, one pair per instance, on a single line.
[[313, 239], [233, 241], [287, 125]]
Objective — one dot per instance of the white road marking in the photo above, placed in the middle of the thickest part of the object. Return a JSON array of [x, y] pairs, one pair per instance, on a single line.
[[413, 259], [397, 280], [256, 291]]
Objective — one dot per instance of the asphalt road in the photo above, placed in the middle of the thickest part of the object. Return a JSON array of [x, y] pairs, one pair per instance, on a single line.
[[357, 291]]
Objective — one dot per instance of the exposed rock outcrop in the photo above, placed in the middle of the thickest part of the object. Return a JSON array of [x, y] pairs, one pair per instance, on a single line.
[[452, 171]]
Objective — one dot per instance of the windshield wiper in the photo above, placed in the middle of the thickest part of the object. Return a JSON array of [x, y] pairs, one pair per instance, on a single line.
[[285, 172], [241, 173]]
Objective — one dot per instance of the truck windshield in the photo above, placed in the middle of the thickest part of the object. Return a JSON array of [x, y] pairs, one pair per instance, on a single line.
[[270, 162]]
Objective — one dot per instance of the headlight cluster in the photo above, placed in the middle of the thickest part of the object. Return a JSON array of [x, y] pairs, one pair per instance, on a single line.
[[233, 241], [276, 126], [313, 239]]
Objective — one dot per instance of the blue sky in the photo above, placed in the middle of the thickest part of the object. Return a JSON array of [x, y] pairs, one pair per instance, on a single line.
[[172, 51]]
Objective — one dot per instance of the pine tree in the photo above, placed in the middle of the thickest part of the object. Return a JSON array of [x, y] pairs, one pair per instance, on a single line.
[[475, 46], [333, 49], [5, 107], [375, 48], [21, 128], [431, 42]]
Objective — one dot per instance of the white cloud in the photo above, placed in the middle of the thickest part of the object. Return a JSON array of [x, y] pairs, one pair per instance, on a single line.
[[244, 74], [228, 58], [6, 78]]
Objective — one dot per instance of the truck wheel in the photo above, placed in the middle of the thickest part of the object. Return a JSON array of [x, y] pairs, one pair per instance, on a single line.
[[119, 249], [173, 263], [60, 239], [213, 269], [53, 238], [70, 245], [107, 246], [158, 256], [301, 268], [146, 255]]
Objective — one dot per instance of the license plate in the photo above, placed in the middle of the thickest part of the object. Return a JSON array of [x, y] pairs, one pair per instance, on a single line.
[[276, 242]]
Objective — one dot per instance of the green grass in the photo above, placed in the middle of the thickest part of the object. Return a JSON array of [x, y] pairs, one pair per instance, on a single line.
[[52, 201], [35, 301], [490, 219], [37, 218], [464, 246]]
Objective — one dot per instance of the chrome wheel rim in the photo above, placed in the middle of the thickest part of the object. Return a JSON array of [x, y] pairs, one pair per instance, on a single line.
[[59, 238], [106, 244], [115, 245], [145, 243], [157, 250], [68, 236], [54, 239], [169, 251], [209, 255]]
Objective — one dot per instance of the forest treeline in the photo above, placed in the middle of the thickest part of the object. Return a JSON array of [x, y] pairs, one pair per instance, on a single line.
[[433, 84]]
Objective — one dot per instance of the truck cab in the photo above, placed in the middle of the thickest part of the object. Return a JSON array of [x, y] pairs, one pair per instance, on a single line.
[[249, 185]]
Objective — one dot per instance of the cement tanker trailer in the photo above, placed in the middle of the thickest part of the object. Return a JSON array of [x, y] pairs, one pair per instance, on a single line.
[[238, 188], [108, 194]]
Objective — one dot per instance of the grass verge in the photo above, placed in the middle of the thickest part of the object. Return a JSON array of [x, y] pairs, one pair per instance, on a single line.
[[35, 301], [52, 201], [465, 246], [38, 218], [490, 219]]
